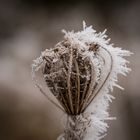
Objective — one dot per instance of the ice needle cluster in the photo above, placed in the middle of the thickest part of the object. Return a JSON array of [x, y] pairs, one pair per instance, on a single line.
[[80, 71]]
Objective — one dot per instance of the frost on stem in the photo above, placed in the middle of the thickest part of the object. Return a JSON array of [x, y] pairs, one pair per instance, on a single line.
[[80, 71]]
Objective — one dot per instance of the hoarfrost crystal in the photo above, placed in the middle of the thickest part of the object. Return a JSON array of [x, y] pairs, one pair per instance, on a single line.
[[80, 71]]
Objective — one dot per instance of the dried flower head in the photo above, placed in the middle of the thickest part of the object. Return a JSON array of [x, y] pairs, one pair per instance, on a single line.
[[80, 71]]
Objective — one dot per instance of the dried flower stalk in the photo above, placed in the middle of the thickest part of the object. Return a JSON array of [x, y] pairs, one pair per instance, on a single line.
[[80, 71]]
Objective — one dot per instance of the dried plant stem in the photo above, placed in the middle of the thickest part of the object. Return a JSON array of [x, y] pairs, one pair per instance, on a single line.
[[103, 84], [78, 87], [72, 131], [68, 80], [91, 86], [41, 90], [64, 102], [85, 88]]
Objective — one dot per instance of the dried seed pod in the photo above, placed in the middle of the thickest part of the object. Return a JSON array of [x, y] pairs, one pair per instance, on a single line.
[[79, 71], [73, 75]]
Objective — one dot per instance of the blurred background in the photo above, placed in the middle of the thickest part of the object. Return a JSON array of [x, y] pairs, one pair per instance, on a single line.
[[28, 27]]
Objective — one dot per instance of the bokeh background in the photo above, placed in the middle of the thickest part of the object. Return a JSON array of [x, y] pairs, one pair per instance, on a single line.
[[28, 27]]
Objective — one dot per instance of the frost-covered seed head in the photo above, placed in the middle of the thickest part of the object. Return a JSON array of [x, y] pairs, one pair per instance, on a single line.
[[80, 71]]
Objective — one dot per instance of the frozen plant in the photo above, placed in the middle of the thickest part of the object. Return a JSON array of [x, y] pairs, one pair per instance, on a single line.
[[80, 71]]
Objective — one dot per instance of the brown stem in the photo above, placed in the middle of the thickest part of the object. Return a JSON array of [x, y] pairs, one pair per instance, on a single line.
[[91, 86], [111, 66], [78, 86], [68, 80], [41, 90], [85, 88]]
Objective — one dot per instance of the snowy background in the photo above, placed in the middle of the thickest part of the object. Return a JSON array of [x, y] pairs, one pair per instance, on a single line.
[[27, 27]]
